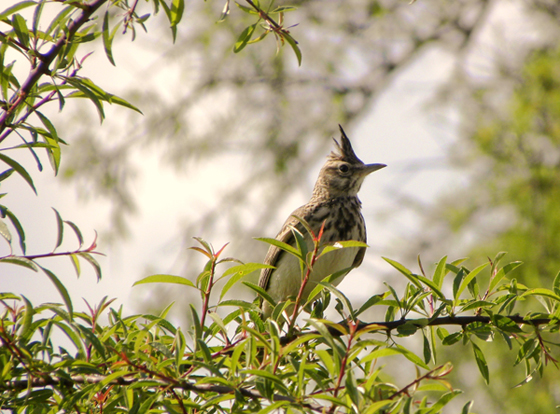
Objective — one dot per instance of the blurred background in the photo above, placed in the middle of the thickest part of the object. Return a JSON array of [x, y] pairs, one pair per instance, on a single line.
[[461, 99]]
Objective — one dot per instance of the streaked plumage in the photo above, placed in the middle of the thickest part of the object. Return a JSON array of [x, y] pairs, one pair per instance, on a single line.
[[335, 201]]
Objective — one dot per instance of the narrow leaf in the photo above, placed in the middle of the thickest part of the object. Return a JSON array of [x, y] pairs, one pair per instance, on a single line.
[[404, 271], [19, 169], [541, 292], [19, 229], [61, 289], [161, 278], [225, 12], [238, 273], [281, 245], [439, 273], [294, 44], [60, 227], [20, 27], [76, 231], [94, 263], [469, 278], [243, 38], [15, 8], [76, 264], [501, 274], [481, 362]]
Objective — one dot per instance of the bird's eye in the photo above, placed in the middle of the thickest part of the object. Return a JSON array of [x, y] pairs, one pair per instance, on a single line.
[[344, 168]]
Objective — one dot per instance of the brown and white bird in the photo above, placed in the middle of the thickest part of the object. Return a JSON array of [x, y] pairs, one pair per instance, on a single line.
[[335, 202]]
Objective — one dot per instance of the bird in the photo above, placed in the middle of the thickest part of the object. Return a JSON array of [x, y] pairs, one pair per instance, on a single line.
[[335, 203]]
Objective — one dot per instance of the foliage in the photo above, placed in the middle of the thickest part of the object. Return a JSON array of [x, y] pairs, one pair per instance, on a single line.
[[54, 358], [513, 200], [241, 363]]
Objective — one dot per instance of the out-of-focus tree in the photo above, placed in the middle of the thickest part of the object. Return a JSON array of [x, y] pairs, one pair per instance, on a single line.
[[259, 103], [513, 198]]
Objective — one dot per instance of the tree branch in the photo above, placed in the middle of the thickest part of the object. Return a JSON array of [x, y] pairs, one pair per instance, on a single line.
[[48, 380], [420, 323], [44, 61]]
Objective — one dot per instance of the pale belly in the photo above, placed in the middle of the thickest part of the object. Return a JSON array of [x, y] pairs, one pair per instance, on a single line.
[[287, 278]]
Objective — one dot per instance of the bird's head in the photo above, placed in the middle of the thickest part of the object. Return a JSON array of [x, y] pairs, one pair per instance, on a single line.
[[343, 172]]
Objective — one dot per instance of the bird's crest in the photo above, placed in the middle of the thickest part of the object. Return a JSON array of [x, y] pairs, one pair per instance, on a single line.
[[344, 150]]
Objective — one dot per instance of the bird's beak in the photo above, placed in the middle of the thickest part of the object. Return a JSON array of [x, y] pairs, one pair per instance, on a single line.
[[369, 168]]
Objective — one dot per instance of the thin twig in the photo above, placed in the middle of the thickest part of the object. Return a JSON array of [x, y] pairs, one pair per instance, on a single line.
[[44, 61]]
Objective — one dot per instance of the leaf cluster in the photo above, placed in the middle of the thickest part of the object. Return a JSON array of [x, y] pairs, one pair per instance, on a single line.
[[238, 362]]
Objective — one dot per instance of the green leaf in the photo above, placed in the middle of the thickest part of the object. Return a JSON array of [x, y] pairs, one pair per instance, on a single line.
[[75, 263], [6, 212], [506, 324], [60, 227], [556, 284], [541, 292], [432, 286], [20, 27], [162, 278], [443, 400], [88, 334], [15, 8], [501, 273], [281, 245], [338, 294], [243, 38], [94, 263], [481, 362], [246, 9], [439, 273], [407, 329], [467, 407], [59, 21], [27, 319], [177, 9], [108, 37], [61, 289], [282, 9], [121, 102], [409, 275], [369, 303], [19, 169], [452, 339], [294, 44], [478, 304], [468, 279], [378, 406], [341, 245], [239, 272], [37, 16], [240, 304], [86, 92], [76, 231], [261, 292], [20, 261], [6, 174], [398, 349], [109, 379]]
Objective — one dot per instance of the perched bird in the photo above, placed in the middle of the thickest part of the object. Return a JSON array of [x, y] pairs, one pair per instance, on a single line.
[[335, 202]]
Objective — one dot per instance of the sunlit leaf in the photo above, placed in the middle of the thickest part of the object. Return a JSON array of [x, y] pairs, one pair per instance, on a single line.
[[15, 8], [162, 278], [244, 38]]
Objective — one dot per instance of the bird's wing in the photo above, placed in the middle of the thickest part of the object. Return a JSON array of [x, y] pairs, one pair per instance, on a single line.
[[286, 236], [359, 257]]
